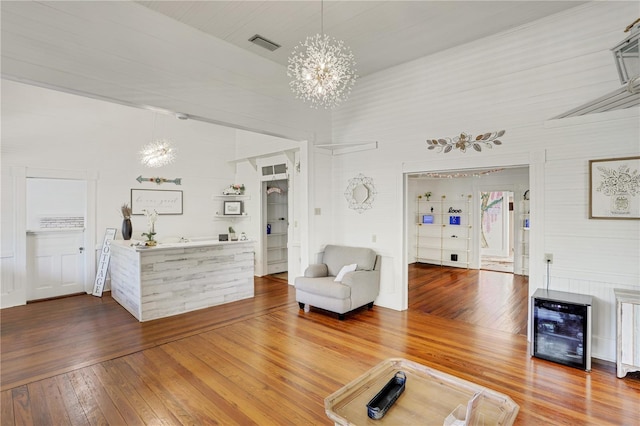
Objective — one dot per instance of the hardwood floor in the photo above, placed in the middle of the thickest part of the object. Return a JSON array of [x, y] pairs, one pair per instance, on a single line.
[[490, 299], [85, 360]]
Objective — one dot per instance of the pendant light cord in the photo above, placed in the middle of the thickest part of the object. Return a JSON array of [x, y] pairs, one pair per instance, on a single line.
[[322, 17]]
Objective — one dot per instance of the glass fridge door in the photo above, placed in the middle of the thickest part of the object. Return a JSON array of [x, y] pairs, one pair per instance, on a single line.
[[559, 332]]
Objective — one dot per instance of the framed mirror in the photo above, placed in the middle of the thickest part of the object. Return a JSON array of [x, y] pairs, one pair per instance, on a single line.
[[360, 193]]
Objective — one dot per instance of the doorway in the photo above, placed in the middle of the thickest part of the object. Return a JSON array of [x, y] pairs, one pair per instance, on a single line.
[[497, 231], [438, 287], [276, 227]]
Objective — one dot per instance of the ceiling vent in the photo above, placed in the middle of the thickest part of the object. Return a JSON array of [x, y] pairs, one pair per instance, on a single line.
[[263, 42]]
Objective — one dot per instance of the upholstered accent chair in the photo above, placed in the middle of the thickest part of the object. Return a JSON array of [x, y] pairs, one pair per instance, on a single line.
[[345, 279]]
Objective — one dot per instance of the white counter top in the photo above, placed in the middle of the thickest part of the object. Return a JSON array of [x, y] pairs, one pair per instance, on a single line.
[[138, 245]]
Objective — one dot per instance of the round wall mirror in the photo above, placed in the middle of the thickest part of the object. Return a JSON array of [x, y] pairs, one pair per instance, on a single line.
[[360, 193]]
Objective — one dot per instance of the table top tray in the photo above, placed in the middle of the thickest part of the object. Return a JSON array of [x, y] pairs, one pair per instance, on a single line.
[[430, 396]]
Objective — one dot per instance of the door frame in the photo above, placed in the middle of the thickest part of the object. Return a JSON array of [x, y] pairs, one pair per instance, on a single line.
[[264, 199], [536, 162], [507, 223], [21, 174]]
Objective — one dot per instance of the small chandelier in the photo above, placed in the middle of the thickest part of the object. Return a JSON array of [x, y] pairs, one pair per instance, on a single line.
[[323, 69], [158, 153]]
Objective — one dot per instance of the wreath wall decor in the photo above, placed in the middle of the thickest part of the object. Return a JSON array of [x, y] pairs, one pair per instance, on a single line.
[[464, 141], [360, 193]]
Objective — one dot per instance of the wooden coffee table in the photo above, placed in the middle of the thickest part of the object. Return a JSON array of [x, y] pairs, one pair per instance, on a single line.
[[430, 396]]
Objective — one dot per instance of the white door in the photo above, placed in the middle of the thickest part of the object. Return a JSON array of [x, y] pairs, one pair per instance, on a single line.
[[55, 263]]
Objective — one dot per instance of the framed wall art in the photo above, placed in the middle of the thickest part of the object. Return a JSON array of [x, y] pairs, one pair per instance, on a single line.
[[162, 201], [614, 188], [233, 208]]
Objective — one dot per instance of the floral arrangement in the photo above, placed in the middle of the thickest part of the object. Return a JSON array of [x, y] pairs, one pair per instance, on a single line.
[[126, 211], [152, 216], [235, 189]]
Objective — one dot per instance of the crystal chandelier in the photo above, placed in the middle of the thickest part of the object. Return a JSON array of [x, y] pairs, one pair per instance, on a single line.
[[322, 69], [158, 153]]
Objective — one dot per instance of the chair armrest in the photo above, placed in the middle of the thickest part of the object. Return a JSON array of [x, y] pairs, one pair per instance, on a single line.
[[316, 270], [362, 278], [365, 286]]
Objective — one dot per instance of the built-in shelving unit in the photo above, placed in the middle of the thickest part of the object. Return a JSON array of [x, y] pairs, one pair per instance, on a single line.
[[443, 235], [233, 217], [277, 227]]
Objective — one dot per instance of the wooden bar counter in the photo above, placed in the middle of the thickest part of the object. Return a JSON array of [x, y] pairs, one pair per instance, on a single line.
[[171, 279]]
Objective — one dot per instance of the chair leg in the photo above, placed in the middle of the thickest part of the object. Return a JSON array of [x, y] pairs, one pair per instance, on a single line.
[[341, 317]]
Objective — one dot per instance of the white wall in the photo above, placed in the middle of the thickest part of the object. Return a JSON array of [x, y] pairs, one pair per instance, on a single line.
[[47, 130], [516, 81], [54, 198]]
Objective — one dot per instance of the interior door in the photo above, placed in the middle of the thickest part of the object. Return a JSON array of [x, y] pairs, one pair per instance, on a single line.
[[55, 263]]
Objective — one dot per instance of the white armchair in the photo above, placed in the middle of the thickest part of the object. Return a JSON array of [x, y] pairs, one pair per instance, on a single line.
[[327, 286]]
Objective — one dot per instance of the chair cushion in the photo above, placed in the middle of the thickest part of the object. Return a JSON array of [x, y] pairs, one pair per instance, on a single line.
[[346, 268], [335, 257], [323, 286]]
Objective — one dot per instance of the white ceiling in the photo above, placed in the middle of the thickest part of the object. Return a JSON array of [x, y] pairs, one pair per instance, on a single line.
[[181, 56], [381, 34]]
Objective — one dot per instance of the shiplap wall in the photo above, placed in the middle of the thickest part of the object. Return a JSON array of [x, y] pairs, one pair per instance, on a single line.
[[516, 81]]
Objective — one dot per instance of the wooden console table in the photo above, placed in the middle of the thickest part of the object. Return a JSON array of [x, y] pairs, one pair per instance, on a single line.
[[627, 331], [430, 396]]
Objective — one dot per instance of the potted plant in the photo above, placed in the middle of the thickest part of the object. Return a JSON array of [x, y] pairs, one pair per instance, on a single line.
[[151, 220], [232, 234]]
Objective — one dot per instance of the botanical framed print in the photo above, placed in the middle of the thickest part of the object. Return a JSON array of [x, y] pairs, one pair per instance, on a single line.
[[233, 207], [614, 188]]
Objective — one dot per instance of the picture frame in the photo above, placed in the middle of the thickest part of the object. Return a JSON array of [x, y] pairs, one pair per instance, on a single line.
[[232, 208], [614, 188], [165, 202]]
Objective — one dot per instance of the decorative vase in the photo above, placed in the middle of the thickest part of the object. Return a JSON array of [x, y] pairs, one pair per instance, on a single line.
[[127, 229]]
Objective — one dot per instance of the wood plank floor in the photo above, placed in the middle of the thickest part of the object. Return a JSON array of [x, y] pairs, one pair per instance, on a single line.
[[85, 360], [496, 300]]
